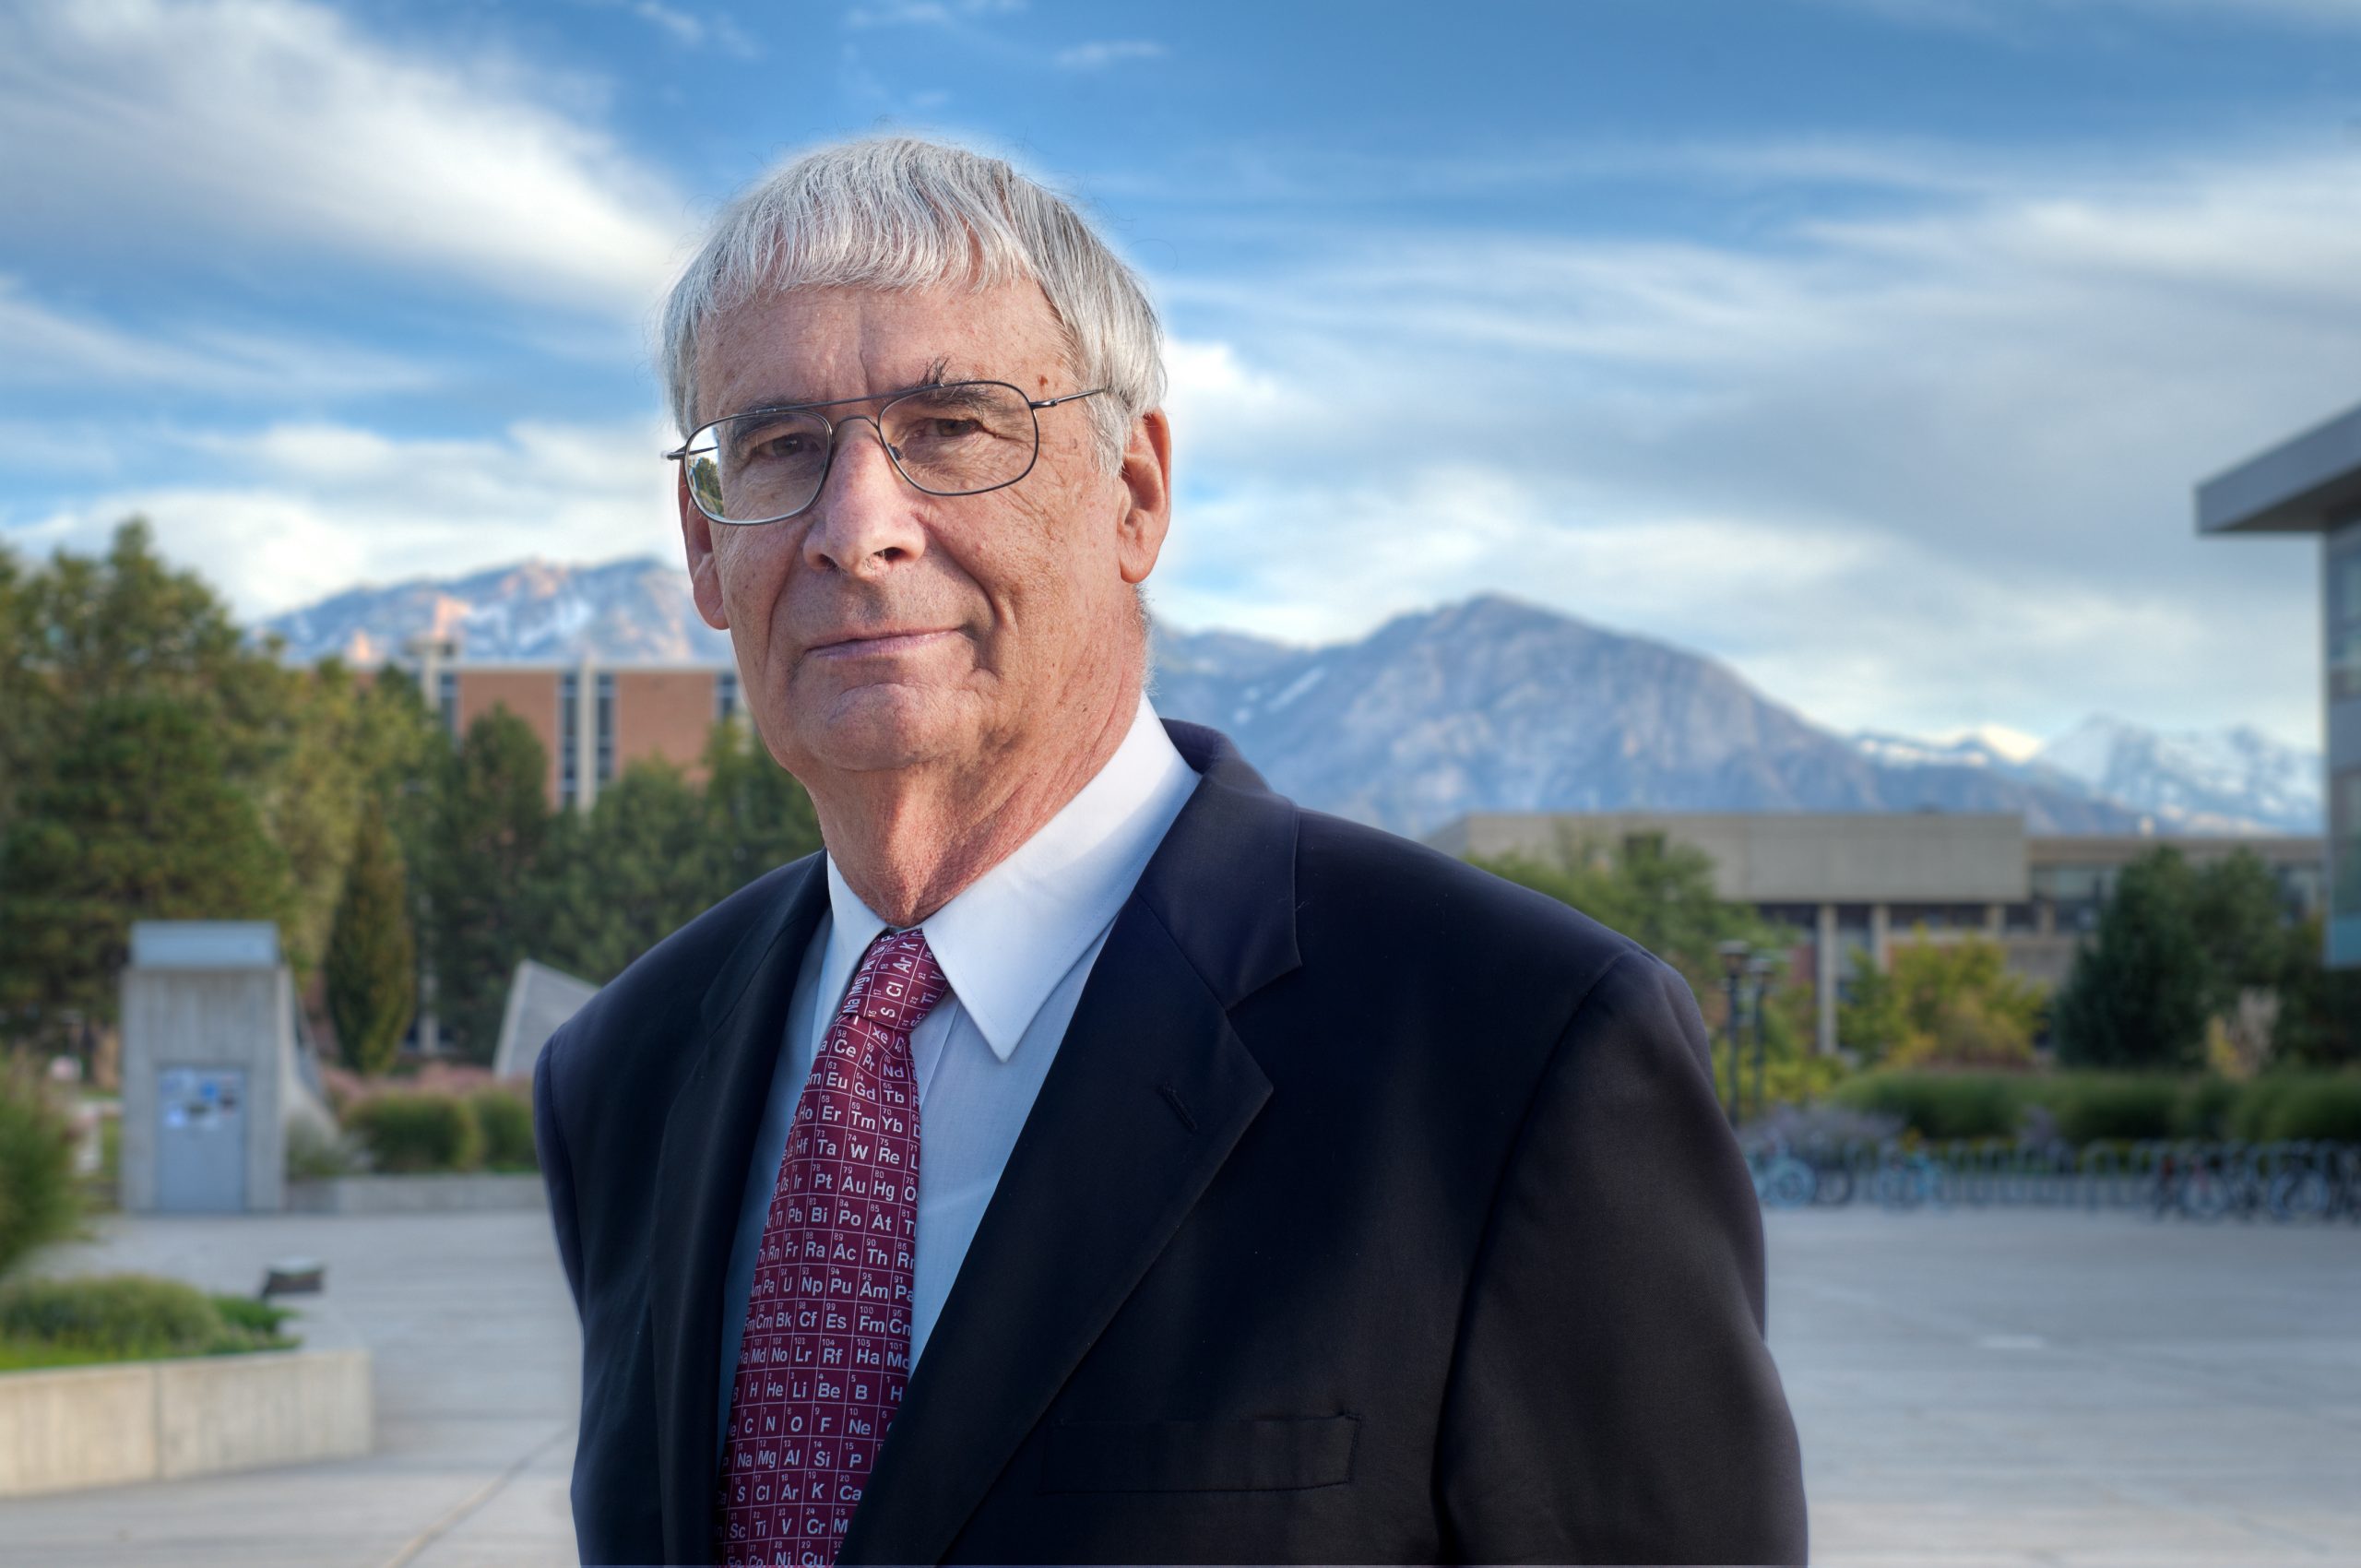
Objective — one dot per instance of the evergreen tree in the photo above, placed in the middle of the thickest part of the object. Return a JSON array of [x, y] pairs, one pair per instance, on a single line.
[[135, 822], [635, 869], [490, 829], [371, 971], [2138, 993], [2241, 924], [757, 816]]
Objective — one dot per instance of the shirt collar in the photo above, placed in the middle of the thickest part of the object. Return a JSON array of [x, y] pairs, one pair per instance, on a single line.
[[1011, 935]]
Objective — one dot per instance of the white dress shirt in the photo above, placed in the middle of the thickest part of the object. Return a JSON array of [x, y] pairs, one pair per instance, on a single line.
[[1016, 946]]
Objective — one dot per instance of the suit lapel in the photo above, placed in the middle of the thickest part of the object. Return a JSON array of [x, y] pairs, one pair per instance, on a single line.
[[700, 1181], [1150, 1091]]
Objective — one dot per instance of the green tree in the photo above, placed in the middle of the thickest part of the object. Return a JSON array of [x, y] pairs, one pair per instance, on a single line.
[[135, 822], [2139, 991], [633, 870], [489, 830], [2241, 924], [1953, 1002], [372, 968], [2320, 1009], [757, 816]]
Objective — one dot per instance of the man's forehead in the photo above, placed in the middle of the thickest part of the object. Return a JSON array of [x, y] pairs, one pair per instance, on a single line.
[[815, 344]]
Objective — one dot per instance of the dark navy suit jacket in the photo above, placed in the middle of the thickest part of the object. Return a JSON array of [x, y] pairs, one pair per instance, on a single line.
[[1374, 1209]]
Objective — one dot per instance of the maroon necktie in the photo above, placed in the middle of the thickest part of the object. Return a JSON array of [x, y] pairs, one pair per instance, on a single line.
[[827, 1349]]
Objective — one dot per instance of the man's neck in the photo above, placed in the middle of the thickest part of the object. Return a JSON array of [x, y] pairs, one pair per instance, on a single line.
[[907, 844]]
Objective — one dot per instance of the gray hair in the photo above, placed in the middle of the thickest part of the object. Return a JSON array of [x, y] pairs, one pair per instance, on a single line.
[[896, 212]]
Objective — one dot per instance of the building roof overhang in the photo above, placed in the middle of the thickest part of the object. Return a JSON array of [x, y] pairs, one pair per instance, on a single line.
[[2307, 484]]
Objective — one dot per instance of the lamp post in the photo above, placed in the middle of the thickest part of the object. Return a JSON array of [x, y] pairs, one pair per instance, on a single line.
[[1764, 969], [1734, 955]]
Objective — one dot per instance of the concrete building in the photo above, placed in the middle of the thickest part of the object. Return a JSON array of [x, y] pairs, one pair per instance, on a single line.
[[593, 719], [1860, 880], [2312, 485]]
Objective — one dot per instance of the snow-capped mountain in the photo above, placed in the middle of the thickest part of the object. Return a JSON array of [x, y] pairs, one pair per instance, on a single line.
[[2236, 780], [630, 612], [1490, 705], [1494, 705], [2238, 777]]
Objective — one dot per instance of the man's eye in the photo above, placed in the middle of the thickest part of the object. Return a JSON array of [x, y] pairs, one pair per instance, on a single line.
[[951, 429]]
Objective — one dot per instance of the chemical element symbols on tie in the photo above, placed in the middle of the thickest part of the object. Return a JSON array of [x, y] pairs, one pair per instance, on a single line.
[[826, 1355]]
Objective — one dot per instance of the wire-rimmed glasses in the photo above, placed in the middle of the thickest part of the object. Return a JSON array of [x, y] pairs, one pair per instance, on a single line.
[[952, 438]]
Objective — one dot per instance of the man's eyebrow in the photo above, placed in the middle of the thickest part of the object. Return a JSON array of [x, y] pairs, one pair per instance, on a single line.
[[936, 374]]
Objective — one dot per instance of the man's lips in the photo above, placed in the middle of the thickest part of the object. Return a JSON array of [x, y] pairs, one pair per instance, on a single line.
[[871, 645]]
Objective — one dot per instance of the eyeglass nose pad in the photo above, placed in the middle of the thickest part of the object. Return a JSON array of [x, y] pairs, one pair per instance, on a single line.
[[875, 429]]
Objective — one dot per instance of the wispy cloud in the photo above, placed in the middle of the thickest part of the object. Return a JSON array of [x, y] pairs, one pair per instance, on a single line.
[[304, 510], [2010, 17], [926, 13], [258, 128], [1936, 458], [1097, 57], [43, 346]]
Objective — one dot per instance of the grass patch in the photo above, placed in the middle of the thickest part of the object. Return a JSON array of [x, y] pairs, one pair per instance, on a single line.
[[129, 1317]]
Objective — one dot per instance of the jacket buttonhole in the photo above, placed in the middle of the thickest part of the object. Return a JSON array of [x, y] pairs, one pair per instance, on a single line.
[[1172, 1098]]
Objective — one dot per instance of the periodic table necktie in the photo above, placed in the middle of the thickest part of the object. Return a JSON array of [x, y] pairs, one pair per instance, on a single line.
[[826, 1355]]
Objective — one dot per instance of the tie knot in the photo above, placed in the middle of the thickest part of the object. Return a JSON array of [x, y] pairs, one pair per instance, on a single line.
[[898, 982]]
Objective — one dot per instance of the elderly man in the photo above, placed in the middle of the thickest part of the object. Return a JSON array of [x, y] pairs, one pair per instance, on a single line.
[[1092, 1156]]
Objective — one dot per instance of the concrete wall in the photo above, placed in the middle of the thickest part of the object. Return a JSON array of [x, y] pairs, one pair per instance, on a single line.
[[415, 1195], [1795, 857], [207, 1019], [159, 1420]]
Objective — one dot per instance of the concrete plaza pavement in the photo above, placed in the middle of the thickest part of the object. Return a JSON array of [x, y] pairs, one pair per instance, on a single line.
[[2001, 1387]]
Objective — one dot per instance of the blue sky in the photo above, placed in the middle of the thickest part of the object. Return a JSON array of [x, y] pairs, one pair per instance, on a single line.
[[1873, 345]]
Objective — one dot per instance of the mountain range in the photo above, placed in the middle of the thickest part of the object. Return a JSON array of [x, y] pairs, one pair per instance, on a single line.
[[1486, 704]]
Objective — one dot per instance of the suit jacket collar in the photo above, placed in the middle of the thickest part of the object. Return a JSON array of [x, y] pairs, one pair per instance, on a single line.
[[1150, 1090]]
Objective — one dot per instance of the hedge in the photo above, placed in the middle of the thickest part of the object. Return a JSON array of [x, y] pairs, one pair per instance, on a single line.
[[115, 1317], [406, 1132], [410, 1131], [2087, 1107]]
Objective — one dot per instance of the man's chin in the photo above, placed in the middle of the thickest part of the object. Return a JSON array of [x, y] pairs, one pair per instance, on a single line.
[[885, 726]]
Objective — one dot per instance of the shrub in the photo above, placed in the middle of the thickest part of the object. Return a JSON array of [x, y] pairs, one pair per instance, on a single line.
[[2093, 1106], [1940, 1105], [506, 1121], [2306, 1105], [314, 1154], [2201, 1109], [128, 1316], [38, 1201], [404, 1131]]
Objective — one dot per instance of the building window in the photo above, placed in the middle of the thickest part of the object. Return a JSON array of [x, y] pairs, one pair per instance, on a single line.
[[725, 696], [447, 700], [2344, 614], [569, 738], [606, 764], [2344, 851]]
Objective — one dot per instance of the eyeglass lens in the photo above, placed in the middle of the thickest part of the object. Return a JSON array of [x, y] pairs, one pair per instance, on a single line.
[[951, 440]]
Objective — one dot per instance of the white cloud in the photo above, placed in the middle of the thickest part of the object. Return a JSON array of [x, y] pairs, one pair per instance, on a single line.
[[1978, 422], [269, 127], [926, 13], [1097, 57], [311, 509], [43, 346], [1997, 16]]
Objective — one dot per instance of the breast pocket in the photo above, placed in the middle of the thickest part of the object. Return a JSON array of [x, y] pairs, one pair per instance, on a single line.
[[1280, 1456]]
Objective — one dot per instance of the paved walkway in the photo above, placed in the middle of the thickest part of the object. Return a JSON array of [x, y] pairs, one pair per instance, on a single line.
[[2004, 1388]]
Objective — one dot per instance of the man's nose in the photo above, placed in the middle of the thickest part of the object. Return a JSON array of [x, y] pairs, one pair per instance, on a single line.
[[863, 520]]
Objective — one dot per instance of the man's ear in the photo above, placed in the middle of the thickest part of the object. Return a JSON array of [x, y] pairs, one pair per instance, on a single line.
[[1147, 486], [705, 574]]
